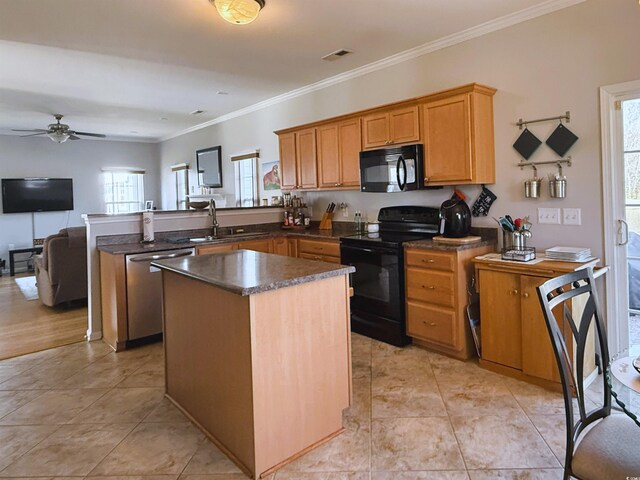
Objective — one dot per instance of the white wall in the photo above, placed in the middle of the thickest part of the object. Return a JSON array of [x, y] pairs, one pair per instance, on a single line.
[[541, 68], [80, 160]]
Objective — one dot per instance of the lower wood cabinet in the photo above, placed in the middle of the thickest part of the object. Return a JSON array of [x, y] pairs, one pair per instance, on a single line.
[[436, 286], [323, 250], [515, 340], [260, 245]]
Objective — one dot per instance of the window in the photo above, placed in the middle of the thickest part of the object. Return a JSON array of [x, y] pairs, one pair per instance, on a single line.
[[246, 172], [181, 171], [123, 190]]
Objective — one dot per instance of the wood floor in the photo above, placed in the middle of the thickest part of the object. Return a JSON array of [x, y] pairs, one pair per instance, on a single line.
[[27, 326]]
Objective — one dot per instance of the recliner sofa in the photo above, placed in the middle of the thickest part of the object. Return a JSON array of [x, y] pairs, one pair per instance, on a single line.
[[61, 269]]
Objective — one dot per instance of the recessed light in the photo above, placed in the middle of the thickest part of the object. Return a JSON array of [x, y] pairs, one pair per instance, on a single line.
[[164, 118], [134, 131], [197, 112], [220, 92], [337, 54]]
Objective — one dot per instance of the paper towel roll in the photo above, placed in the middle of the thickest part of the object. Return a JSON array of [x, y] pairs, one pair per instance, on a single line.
[[147, 227]]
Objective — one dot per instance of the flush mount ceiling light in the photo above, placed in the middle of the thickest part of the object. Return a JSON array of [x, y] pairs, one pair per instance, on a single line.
[[238, 12]]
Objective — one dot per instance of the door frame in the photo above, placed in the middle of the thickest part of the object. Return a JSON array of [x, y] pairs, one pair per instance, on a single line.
[[614, 209]]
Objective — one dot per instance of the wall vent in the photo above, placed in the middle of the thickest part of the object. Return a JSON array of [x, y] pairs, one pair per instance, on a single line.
[[337, 54]]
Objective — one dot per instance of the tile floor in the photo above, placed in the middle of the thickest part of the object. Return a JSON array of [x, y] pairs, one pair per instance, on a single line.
[[83, 411]]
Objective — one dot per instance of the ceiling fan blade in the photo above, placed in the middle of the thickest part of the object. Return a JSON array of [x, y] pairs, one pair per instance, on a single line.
[[74, 137], [34, 134], [31, 130], [87, 134]]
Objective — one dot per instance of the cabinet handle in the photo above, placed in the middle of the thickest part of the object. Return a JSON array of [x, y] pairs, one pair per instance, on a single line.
[[515, 292], [337, 184], [426, 179], [430, 260], [424, 322], [525, 295], [430, 287]]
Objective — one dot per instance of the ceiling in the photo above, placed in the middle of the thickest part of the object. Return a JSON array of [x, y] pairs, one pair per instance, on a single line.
[[135, 69]]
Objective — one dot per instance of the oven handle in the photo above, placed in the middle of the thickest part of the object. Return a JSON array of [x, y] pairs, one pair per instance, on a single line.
[[368, 250]]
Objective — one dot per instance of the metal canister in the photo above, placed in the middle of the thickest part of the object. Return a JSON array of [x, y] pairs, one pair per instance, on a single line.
[[532, 188]]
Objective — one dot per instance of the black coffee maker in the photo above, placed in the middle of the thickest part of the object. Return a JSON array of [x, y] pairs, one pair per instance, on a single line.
[[455, 218]]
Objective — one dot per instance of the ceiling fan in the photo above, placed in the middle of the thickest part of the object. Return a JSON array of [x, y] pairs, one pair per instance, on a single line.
[[59, 132]]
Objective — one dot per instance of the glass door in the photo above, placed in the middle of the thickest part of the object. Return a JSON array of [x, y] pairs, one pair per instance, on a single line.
[[631, 153], [376, 282]]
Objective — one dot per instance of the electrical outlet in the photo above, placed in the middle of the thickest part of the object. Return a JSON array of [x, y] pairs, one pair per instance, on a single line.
[[549, 216], [572, 216]]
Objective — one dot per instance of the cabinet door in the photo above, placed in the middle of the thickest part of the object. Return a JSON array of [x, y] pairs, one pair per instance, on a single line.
[[538, 359], [329, 156], [350, 143], [500, 317], [263, 246], [208, 249], [375, 130], [447, 140], [404, 125], [292, 243], [306, 158], [281, 246], [288, 161]]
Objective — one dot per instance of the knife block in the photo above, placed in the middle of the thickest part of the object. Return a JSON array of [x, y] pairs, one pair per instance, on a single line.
[[327, 221]]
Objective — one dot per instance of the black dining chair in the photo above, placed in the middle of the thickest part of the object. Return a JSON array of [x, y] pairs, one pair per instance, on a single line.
[[600, 446]]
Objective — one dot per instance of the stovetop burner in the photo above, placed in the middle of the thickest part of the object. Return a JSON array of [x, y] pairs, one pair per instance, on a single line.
[[387, 239], [399, 225]]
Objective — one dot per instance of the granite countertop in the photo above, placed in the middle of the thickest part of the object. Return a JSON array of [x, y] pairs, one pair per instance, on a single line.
[[245, 272], [132, 248]]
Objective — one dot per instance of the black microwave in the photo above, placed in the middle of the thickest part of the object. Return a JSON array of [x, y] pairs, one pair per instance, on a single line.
[[396, 169]]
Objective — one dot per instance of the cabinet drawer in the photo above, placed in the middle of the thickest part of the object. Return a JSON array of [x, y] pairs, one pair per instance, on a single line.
[[319, 247], [208, 249], [430, 259], [430, 286], [263, 246], [322, 258], [431, 323]]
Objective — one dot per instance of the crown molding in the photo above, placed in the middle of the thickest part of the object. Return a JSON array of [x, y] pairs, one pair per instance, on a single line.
[[506, 21]]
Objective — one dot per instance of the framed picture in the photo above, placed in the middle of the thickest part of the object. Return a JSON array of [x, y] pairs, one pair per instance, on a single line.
[[209, 163], [148, 205], [270, 176]]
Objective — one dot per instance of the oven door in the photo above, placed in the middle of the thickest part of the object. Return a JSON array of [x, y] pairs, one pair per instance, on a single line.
[[378, 283], [390, 170]]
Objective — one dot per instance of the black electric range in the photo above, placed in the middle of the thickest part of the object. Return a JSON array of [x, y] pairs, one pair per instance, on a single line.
[[378, 303]]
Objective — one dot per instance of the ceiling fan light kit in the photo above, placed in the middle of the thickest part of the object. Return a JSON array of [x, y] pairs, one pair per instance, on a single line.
[[238, 12], [59, 132]]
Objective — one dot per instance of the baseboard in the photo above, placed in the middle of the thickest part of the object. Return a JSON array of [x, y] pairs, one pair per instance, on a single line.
[[91, 336]]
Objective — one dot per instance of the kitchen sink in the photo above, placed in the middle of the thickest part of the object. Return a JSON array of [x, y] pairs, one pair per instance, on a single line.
[[232, 235]]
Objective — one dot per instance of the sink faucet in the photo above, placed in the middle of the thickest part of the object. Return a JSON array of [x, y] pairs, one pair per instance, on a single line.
[[214, 218]]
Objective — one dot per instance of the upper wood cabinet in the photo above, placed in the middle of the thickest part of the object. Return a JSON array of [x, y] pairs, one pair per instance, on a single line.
[[339, 154], [456, 127], [288, 165], [306, 158], [391, 127], [298, 168], [458, 139]]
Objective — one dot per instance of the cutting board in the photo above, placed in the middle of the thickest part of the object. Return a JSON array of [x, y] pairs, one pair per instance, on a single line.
[[457, 241]]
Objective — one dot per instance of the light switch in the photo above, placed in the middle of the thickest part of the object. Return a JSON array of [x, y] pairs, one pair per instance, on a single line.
[[572, 216], [549, 216]]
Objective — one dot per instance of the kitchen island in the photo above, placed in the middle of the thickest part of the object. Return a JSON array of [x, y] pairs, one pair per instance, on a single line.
[[257, 352]]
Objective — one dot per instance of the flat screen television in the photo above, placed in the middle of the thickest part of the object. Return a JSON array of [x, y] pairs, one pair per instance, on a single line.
[[20, 195]]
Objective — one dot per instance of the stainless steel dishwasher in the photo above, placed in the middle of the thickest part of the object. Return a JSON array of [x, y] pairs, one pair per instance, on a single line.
[[144, 292]]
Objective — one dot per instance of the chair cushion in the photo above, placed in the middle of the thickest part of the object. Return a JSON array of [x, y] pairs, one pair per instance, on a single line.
[[609, 451]]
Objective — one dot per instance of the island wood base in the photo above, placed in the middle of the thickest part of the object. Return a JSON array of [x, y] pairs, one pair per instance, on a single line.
[[265, 376]]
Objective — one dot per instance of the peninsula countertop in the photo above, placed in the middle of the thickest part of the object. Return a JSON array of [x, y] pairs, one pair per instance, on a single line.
[[245, 272]]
